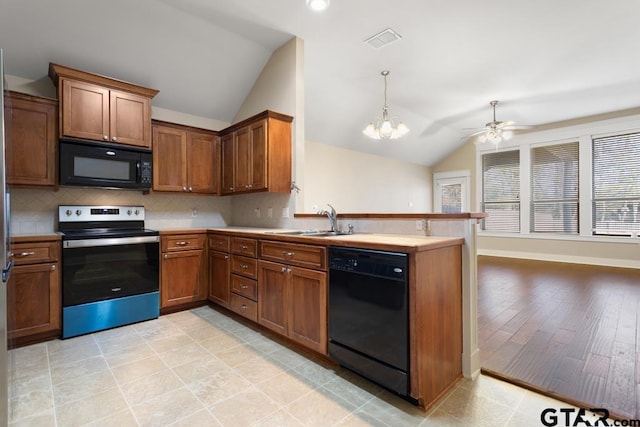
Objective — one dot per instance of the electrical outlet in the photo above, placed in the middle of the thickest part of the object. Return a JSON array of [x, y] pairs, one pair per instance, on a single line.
[[194, 212], [285, 212], [269, 212], [421, 224], [257, 212]]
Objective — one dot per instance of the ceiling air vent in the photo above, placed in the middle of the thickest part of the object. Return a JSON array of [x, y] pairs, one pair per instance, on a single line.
[[383, 38]]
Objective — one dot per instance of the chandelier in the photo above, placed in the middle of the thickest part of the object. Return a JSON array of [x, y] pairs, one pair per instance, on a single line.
[[385, 128]]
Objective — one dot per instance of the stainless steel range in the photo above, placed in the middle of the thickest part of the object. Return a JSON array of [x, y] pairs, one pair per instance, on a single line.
[[110, 268]]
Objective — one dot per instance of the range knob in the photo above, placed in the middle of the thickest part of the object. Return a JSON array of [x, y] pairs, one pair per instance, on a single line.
[[78, 212], [137, 212], [68, 212], [129, 212]]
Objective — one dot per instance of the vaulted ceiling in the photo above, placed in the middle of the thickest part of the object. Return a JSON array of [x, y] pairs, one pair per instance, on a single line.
[[546, 61]]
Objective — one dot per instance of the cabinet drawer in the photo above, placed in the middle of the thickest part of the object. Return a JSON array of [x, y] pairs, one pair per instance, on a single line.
[[182, 242], [35, 253], [309, 256], [244, 286], [219, 243], [244, 266], [243, 246], [244, 306]]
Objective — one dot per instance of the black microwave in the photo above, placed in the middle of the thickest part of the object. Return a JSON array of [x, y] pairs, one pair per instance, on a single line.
[[88, 164]]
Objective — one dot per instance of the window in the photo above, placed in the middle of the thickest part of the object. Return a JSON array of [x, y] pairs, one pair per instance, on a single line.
[[451, 191], [554, 188], [616, 185], [501, 191]]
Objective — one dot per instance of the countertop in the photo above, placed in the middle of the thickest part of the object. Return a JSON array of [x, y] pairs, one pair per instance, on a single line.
[[387, 242]]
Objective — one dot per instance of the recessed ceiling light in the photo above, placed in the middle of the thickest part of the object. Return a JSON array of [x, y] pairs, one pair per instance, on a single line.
[[318, 5]]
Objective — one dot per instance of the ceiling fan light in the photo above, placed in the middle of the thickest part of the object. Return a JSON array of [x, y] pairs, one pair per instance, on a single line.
[[507, 135], [317, 5]]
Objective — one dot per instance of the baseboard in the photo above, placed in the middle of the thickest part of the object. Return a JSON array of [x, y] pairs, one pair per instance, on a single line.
[[537, 256]]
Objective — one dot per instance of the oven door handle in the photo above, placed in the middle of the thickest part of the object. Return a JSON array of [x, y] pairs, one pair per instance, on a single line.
[[88, 243]]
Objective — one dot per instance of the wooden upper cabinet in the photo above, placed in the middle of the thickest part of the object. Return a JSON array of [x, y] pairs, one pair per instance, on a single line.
[[169, 159], [103, 109], [31, 140], [227, 164], [185, 159], [256, 155], [203, 165]]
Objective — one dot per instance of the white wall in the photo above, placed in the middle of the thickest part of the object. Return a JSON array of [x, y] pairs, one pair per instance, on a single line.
[[356, 182]]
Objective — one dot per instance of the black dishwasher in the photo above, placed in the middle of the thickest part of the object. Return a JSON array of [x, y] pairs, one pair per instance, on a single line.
[[369, 315]]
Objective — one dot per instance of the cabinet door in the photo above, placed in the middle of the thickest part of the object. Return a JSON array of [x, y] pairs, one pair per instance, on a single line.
[[258, 170], [308, 308], [169, 159], [272, 296], [219, 278], [31, 141], [130, 119], [182, 278], [33, 300], [85, 110], [227, 163], [243, 165], [202, 169]]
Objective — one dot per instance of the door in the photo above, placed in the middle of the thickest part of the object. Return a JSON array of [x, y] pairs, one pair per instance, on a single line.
[[202, 168], [227, 164], [85, 110], [308, 304], [169, 159], [181, 278], [219, 277], [272, 296], [451, 193], [130, 119]]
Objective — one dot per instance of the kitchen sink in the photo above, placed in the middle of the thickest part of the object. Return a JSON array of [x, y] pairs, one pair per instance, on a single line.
[[314, 233]]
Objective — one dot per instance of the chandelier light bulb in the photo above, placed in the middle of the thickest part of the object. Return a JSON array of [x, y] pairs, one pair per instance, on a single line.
[[318, 5]]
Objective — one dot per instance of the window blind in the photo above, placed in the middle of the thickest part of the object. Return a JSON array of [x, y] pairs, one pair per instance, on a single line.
[[554, 188], [616, 185], [501, 191]]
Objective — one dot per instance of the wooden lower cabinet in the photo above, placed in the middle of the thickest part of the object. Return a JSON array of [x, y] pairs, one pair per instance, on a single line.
[[292, 301], [219, 277], [183, 270], [34, 298]]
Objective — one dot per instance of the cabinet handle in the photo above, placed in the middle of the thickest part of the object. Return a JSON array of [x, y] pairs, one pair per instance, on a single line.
[[244, 266], [284, 269], [244, 287], [226, 257], [166, 256], [231, 189], [243, 306], [183, 243], [22, 254], [114, 139], [184, 188], [53, 267], [244, 247], [190, 188], [105, 137], [288, 254]]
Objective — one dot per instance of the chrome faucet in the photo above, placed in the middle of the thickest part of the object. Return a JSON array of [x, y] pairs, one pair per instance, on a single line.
[[333, 219]]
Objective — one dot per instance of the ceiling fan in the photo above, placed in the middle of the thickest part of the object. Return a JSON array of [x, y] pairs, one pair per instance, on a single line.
[[496, 131]]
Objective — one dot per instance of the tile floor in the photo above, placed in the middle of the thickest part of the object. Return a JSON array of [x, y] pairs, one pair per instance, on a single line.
[[202, 368]]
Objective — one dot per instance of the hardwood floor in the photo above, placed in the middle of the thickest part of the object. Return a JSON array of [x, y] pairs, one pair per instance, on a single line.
[[568, 330]]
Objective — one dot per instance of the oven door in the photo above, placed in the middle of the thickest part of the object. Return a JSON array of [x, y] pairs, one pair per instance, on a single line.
[[102, 269]]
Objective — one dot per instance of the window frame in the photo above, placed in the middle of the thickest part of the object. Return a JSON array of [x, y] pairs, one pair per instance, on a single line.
[[582, 132]]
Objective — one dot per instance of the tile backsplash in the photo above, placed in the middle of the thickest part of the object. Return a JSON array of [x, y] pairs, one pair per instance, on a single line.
[[36, 211]]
